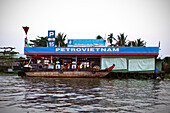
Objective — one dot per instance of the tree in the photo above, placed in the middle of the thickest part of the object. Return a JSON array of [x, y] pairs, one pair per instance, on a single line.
[[139, 42], [133, 43], [11, 48], [59, 40], [110, 39], [121, 39], [40, 41], [8, 50], [99, 37]]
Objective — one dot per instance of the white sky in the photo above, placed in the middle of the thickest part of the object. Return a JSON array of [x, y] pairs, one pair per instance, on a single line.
[[146, 19]]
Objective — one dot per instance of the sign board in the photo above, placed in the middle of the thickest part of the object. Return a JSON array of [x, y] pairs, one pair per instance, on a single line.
[[51, 43], [92, 50], [51, 38], [86, 42], [51, 34]]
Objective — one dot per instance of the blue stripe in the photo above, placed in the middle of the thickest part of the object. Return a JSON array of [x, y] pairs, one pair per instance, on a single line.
[[91, 49]]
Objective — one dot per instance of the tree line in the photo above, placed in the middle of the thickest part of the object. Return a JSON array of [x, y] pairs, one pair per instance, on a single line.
[[43, 41], [60, 39], [8, 50], [122, 41]]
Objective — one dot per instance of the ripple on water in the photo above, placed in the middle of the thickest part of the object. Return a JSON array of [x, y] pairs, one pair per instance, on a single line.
[[83, 95]]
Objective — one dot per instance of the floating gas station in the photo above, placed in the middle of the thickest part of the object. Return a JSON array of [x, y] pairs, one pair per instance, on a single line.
[[84, 54]]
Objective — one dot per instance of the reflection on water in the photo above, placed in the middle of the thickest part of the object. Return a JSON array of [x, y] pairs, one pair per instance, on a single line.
[[82, 95]]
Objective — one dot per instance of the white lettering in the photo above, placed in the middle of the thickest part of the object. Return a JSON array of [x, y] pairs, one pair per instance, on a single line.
[[73, 49], [78, 49], [109, 49], [51, 34], [103, 49], [57, 49], [84, 49], [70, 42], [115, 49], [91, 49], [97, 49], [68, 49], [88, 49], [62, 49]]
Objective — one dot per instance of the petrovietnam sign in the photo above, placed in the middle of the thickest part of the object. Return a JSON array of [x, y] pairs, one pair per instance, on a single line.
[[91, 50], [87, 49]]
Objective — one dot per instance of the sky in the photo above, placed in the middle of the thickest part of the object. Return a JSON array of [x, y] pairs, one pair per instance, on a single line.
[[85, 19]]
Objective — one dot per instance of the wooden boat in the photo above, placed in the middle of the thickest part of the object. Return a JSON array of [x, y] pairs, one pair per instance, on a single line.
[[68, 73]]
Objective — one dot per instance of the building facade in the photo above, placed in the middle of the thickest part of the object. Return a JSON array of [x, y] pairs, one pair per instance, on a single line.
[[126, 59]]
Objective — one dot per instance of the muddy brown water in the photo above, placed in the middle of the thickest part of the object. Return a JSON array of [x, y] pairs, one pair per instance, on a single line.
[[46, 95]]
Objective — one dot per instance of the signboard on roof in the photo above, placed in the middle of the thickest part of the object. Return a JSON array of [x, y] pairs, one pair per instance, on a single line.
[[51, 33], [51, 43], [51, 38], [86, 42], [91, 50]]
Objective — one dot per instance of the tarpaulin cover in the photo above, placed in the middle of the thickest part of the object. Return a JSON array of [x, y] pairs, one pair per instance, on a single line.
[[120, 63], [146, 64]]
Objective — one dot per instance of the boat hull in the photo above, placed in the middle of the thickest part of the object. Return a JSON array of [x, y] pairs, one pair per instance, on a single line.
[[68, 74]]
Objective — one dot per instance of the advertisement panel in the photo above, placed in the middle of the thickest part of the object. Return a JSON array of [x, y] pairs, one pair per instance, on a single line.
[[86, 42]]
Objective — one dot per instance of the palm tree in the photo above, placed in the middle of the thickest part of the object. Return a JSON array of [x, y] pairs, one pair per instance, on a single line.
[[139, 42], [99, 37], [40, 41], [121, 39], [133, 43], [59, 40], [110, 39]]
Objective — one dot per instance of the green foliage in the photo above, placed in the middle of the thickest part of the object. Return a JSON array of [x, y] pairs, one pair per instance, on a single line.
[[167, 76], [21, 58], [13, 52], [99, 37], [11, 48], [121, 39], [40, 41], [8, 50], [110, 39], [137, 43], [61, 37], [7, 60], [133, 43], [167, 59], [59, 40]]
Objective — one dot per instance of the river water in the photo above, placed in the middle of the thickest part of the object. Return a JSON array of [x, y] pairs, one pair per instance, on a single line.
[[46, 95]]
